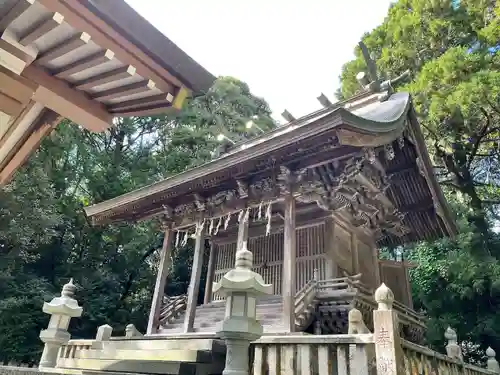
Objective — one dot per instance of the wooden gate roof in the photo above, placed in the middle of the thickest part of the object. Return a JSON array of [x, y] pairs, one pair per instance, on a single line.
[[88, 61]]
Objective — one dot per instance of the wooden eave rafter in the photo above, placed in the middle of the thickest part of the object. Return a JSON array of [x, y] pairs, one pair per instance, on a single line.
[[83, 66], [86, 25]]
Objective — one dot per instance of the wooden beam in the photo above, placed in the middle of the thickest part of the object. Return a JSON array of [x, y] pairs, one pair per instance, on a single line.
[[79, 17], [289, 265], [194, 283], [88, 62], [146, 111], [41, 28], [108, 77], [63, 48], [20, 6], [10, 44], [123, 91], [18, 131], [16, 52], [16, 86], [138, 103], [210, 273], [9, 105], [72, 104], [161, 281], [47, 123]]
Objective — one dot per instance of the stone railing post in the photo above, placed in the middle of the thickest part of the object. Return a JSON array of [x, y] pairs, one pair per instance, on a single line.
[[241, 286], [131, 332], [492, 363], [388, 349], [453, 350], [61, 309], [104, 333]]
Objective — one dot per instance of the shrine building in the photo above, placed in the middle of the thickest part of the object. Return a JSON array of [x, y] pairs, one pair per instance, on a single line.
[[313, 200]]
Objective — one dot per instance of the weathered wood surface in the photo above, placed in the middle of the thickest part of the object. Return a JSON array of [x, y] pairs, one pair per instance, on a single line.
[[289, 265], [161, 280], [194, 284]]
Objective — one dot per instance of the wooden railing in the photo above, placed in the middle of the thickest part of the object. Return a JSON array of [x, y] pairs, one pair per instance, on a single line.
[[172, 308], [304, 300], [421, 360], [347, 283], [307, 355]]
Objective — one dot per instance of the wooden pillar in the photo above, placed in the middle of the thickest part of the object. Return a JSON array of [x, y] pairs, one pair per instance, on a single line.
[[242, 233], [355, 254], [210, 274], [331, 266], [406, 267], [289, 265], [161, 281], [194, 283], [376, 261]]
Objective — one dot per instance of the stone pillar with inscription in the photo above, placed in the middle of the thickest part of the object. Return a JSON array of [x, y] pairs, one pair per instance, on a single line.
[[241, 286], [388, 350]]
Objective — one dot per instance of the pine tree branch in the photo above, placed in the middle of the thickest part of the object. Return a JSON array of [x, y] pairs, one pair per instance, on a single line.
[[481, 135]]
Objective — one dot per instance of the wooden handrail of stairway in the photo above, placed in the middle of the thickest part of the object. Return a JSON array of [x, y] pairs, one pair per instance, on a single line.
[[304, 297], [172, 307]]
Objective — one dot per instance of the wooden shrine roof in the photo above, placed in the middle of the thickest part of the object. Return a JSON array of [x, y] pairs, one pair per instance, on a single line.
[[85, 60], [315, 142]]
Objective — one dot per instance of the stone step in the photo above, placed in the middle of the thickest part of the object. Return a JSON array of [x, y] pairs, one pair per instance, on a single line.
[[159, 343], [187, 354], [172, 355], [269, 313], [159, 367]]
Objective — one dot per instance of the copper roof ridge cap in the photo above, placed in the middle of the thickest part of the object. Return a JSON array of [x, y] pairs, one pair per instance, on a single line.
[[391, 125]]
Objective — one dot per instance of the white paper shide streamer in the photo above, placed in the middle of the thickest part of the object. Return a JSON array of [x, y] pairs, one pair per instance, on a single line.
[[268, 217], [226, 221], [211, 227], [185, 239], [219, 223]]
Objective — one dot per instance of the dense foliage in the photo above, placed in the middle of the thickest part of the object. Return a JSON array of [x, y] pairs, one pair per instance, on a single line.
[[451, 48], [45, 237]]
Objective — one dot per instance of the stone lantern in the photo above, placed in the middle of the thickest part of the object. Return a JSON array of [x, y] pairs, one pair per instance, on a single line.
[[61, 309], [241, 287]]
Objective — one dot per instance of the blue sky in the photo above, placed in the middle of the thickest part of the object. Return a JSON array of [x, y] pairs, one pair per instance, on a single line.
[[287, 51]]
